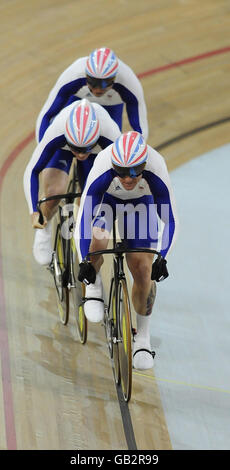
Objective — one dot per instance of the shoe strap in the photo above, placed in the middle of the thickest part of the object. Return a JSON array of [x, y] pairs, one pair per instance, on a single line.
[[145, 350], [85, 299]]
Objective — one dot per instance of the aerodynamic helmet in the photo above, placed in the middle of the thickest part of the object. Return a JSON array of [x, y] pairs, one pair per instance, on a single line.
[[129, 154], [82, 129]]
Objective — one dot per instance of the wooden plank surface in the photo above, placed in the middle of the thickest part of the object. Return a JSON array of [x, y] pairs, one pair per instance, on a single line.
[[63, 395]]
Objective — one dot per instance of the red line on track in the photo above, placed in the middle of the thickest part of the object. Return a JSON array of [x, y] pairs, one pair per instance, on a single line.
[[12, 156], [4, 342], [189, 60]]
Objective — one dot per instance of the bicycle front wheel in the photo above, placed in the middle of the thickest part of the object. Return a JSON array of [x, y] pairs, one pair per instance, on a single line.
[[82, 320], [114, 331], [78, 294], [125, 343], [59, 269]]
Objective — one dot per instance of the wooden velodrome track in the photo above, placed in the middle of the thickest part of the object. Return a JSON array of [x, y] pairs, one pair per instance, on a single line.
[[55, 393]]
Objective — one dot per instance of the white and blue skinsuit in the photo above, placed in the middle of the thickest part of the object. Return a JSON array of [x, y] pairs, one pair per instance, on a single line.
[[72, 86], [153, 192], [54, 152]]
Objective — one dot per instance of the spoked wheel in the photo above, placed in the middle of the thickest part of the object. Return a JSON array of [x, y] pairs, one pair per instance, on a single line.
[[113, 331], [78, 294], [62, 290], [125, 345]]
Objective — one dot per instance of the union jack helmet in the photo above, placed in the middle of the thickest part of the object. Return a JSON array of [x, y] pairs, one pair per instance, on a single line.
[[102, 63], [82, 128], [129, 154]]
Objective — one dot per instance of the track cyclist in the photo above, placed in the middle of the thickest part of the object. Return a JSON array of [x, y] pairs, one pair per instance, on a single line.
[[80, 130], [129, 181], [102, 78]]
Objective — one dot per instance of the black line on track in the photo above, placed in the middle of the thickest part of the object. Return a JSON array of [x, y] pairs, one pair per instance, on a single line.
[[126, 419], [191, 132]]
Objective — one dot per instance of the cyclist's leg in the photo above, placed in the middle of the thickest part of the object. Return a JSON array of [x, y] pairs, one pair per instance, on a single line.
[[143, 297], [143, 291], [99, 242], [94, 310], [134, 225], [140, 265], [54, 181], [102, 227]]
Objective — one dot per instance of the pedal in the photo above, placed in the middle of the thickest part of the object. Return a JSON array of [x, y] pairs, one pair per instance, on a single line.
[[115, 340], [70, 286], [134, 332]]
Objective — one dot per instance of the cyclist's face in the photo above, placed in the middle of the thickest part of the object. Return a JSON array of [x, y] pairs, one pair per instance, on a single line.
[[128, 182], [99, 87], [80, 156], [97, 91]]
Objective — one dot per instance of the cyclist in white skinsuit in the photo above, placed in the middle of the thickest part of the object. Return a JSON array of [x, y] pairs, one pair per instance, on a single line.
[[101, 78], [80, 130], [127, 177]]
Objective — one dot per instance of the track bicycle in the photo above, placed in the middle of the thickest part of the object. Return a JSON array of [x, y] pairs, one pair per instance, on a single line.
[[117, 318], [64, 264]]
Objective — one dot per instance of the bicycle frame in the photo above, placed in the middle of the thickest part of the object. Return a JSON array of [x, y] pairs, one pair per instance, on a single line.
[[61, 265], [69, 198]]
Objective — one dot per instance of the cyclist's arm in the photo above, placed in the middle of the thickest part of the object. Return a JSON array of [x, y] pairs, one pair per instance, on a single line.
[[109, 130], [160, 186], [54, 104], [40, 157], [69, 82], [130, 89]]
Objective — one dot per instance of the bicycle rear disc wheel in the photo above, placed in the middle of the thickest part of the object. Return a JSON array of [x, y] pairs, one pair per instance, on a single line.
[[62, 292], [125, 345]]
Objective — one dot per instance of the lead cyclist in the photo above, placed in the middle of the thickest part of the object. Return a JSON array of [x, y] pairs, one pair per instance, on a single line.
[[129, 180]]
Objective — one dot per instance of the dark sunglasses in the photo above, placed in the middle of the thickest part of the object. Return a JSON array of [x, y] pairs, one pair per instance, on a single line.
[[82, 149], [133, 171], [98, 82]]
